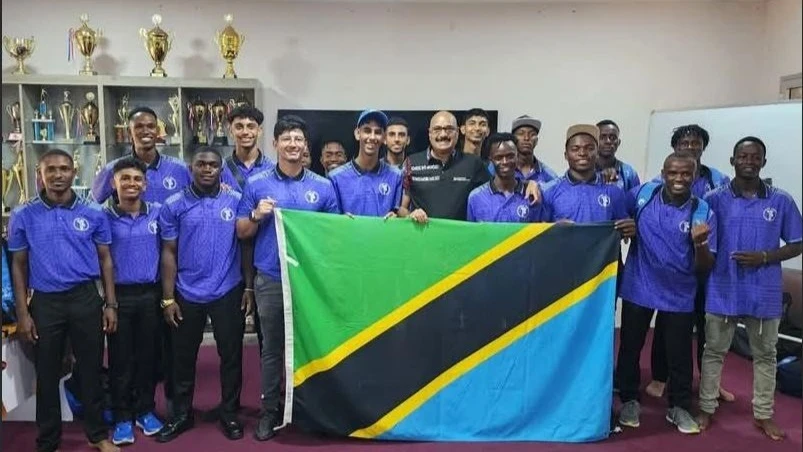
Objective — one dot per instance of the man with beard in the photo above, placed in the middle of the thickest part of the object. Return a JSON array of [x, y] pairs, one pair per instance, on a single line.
[[201, 277], [474, 130], [397, 138], [288, 186], [676, 241], [60, 246], [166, 175], [366, 185], [333, 154], [746, 281], [694, 139], [613, 169], [437, 182], [245, 125], [526, 130], [502, 200]]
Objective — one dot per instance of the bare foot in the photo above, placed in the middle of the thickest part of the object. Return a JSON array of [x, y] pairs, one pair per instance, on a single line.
[[726, 396], [704, 420], [656, 389], [770, 428], [105, 445]]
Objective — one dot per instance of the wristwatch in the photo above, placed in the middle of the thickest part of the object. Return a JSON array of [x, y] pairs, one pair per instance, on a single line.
[[167, 302], [252, 217]]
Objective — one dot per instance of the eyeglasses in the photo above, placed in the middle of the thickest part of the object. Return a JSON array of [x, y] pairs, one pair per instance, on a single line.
[[438, 129]]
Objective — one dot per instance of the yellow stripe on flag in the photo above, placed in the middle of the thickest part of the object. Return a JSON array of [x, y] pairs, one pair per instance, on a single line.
[[415, 401], [419, 301]]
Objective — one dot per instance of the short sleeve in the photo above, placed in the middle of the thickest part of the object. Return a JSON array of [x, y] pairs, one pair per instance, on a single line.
[[168, 222], [248, 202], [792, 226], [102, 185], [331, 206], [712, 234], [470, 210], [103, 231], [397, 194], [338, 196], [17, 236]]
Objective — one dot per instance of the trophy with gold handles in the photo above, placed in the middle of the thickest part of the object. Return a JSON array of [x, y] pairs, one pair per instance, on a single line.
[[229, 42], [157, 42], [86, 39], [219, 110], [198, 112], [14, 176], [13, 110], [89, 118], [175, 117], [67, 113], [19, 49], [122, 119]]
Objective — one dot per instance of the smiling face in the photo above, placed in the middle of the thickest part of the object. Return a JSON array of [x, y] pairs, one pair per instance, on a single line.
[[678, 175], [581, 153], [371, 136], [129, 183], [443, 132], [246, 132], [503, 158], [397, 139], [475, 129], [144, 130], [748, 159], [332, 156]]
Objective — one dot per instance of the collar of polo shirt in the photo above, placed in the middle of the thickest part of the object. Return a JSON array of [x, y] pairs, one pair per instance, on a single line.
[[281, 176], [594, 181], [259, 160], [154, 165], [143, 209], [361, 170], [69, 204], [452, 157], [762, 190], [519, 188], [198, 193]]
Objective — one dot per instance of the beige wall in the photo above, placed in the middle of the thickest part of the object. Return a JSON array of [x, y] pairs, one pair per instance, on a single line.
[[563, 63], [783, 49]]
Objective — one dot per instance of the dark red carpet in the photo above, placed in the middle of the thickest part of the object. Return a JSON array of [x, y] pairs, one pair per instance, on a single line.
[[732, 431]]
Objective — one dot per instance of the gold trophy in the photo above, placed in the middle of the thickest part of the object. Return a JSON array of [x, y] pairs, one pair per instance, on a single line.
[[89, 117], [219, 110], [76, 163], [122, 116], [175, 105], [86, 39], [14, 176], [157, 43], [13, 110], [229, 42], [67, 113], [19, 49], [198, 116]]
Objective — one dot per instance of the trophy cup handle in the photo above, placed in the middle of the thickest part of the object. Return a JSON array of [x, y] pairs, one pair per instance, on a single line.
[[242, 39], [216, 38], [33, 45], [8, 109], [143, 33], [6, 42], [170, 41]]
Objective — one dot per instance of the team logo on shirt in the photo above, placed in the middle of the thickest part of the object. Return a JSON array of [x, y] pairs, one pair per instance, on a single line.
[[384, 189], [153, 227], [604, 200], [80, 224], [311, 196], [169, 182], [522, 211], [770, 214], [684, 227], [226, 214]]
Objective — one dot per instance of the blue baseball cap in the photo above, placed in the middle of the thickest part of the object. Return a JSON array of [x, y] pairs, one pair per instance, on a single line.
[[376, 115]]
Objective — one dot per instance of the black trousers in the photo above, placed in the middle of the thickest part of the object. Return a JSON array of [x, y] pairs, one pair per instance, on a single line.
[[228, 322], [658, 364], [675, 326], [76, 313], [133, 348]]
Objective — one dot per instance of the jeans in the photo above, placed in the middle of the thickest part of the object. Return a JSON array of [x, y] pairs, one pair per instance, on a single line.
[[763, 336], [269, 299]]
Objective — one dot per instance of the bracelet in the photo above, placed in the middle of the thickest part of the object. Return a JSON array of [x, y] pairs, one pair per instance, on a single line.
[[111, 306], [764, 253], [167, 302], [248, 289]]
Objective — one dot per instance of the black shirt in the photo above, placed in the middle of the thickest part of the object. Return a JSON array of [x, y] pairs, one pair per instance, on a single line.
[[442, 189]]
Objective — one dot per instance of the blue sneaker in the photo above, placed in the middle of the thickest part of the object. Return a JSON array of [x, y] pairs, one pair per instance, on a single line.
[[123, 434], [150, 424], [75, 405]]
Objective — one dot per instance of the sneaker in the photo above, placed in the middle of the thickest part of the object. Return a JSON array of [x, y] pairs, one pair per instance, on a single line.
[[76, 407], [683, 420], [630, 413], [150, 424], [123, 434], [264, 430]]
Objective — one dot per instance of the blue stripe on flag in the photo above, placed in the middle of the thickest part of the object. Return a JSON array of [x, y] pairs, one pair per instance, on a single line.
[[554, 384]]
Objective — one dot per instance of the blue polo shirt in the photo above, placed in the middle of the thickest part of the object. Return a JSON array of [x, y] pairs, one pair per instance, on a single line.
[[307, 191], [208, 250], [165, 175], [262, 163], [750, 224], [628, 177], [583, 202], [487, 204], [61, 241], [540, 173], [659, 271], [369, 192], [135, 244]]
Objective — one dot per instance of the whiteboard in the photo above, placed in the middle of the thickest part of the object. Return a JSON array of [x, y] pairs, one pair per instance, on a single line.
[[778, 125]]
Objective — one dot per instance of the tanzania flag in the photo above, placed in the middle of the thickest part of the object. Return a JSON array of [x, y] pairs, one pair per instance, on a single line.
[[450, 331]]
